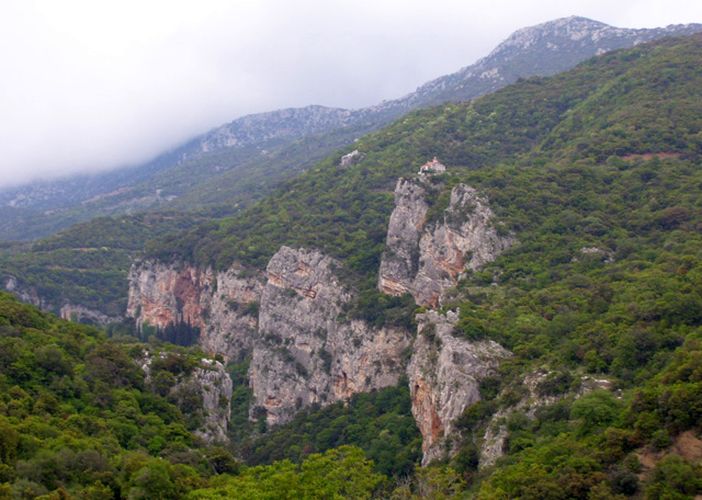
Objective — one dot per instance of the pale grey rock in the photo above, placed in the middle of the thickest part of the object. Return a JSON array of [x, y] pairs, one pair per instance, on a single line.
[[466, 239], [81, 314], [496, 434], [305, 353], [27, 294], [216, 387], [399, 263], [351, 158], [68, 311], [426, 260], [223, 305], [213, 385], [444, 376]]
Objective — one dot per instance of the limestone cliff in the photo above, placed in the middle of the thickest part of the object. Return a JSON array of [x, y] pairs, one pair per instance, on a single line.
[[81, 314], [222, 305], [305, 352], [400, 261], [215, 387], [203, 393], [426, 259], [444, 375]]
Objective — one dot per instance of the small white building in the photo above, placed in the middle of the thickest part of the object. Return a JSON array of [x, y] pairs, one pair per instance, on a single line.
[[432, 167]]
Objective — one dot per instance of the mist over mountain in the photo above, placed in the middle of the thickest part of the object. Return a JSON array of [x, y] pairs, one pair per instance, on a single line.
[[231, 165]]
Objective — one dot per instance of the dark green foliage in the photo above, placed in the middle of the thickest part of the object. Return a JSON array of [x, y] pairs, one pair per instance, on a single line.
[[379, 309], [343, 472], [77, 419], [585, 445], [556, 383], [597, 174], [379, 422], [181, 333], [88, 263], [675, 478], [240, 427]]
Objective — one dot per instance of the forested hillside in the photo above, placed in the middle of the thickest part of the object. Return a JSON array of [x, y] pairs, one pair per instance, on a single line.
[[86, 265], [239, 162], [595, 173]]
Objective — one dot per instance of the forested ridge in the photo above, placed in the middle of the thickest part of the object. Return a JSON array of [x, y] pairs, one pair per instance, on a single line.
[[597, 174]]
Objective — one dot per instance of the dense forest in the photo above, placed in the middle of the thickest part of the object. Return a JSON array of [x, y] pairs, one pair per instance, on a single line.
[[595, 171]]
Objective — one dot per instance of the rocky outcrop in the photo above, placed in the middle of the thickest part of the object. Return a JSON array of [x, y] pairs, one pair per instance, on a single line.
[[68, 311], [400, 261], [215, 387], [426, 259], [496, 433], [27, 294], [203, 393], [222, 305], [466, 239], [444, 375], [305, 352], [351, 158], [80, 314]]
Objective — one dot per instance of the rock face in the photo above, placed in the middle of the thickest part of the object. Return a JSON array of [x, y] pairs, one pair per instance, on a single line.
[[444, 375], [351, 158], [223, 305], [305, 353], [210, 385], [27, 294], [400, 261], [82, 314], [426, 259], [215, 386]]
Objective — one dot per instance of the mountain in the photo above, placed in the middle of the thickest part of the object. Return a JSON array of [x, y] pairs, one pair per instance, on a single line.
[[514, 281], [239, 162], [542, 50], [536, 288]]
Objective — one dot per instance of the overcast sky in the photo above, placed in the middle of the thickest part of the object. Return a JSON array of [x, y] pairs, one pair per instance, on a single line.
[[95, 84]]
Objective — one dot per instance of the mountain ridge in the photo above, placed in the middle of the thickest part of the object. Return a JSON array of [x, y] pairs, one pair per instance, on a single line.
[[557, 356], [239, 161]]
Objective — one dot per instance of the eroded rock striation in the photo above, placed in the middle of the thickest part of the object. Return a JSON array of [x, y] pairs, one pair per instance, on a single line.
[[444, 375], [222, 305], [400, 261], [215, 387], [426, 259], [306, 352]]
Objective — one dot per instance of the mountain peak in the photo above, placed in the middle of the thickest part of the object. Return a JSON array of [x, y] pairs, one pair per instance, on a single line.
[[573, 28]]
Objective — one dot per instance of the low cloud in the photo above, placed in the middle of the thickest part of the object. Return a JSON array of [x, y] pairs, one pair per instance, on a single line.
[[89, 85]]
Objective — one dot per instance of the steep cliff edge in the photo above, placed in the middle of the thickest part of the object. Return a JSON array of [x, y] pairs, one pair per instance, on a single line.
[[426, 259], [222, 305], [305, 352], [444, 375], [215, 387], [400, 261], [202, 392]]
